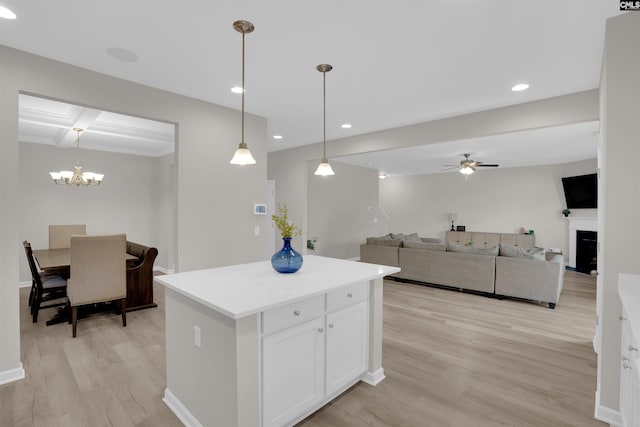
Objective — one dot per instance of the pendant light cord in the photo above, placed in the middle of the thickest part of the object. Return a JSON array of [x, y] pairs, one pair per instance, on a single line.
[[243, 89], [324, 115]]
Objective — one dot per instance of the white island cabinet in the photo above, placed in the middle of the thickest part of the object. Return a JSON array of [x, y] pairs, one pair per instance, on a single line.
[[247, 346]]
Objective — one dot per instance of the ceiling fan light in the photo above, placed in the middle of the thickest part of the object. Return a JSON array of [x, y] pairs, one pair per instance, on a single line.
[[467, 170]]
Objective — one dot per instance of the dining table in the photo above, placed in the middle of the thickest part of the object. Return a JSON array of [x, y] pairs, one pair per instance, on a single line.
[[59, 261]]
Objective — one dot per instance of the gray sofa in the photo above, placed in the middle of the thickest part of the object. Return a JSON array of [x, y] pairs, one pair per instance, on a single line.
[[471, 262]]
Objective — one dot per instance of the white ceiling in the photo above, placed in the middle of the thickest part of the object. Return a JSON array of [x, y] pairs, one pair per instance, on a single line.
[[45, 121], [561, 144], [396, 62]]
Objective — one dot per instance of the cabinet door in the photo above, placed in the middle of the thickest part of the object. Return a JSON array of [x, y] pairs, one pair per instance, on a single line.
[[626, 373], [292, 371], [347, 338]]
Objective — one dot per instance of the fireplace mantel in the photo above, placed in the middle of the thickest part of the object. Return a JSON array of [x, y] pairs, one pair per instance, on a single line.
[[586, 223]]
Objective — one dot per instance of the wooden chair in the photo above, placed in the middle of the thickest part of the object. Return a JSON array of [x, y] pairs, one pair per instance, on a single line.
[[60, 235], [98, 273], [43, 287]]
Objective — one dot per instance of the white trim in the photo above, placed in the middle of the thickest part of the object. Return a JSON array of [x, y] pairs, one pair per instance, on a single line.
[[164, 270], [25, 284], [373, 378], [12, 374], [607, 415], [180, 410]]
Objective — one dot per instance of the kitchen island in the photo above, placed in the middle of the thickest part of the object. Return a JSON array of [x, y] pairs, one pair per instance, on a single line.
[[247, 346]]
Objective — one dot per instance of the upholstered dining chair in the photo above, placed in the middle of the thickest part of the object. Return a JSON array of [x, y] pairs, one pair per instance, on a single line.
[[98, 273], [60, 235], [44, 287]]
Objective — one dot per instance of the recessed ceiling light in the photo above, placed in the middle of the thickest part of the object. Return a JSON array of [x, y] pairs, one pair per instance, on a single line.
[[121, 54], [6, 13], [345, 126], [277, 136], [236, 89], [520, 87], [382, 175]]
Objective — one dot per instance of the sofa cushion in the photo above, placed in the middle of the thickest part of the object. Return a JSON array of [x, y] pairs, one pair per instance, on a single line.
[[384, 242], [427, 246], [514, 251], [468, 249], [413, 237], [431, 240]]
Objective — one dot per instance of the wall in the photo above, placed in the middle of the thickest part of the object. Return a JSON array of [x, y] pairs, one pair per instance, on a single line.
[[289, 169], [494, 200], [621, 202], [128, 200], [213, 202], [343, 209], [165, 177]]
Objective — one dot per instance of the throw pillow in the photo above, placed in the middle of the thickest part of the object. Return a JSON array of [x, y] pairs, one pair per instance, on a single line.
[[486, 251], [519, 252], [413, 237], [397, 236], [384, 242], [427, 246], [457, 247]]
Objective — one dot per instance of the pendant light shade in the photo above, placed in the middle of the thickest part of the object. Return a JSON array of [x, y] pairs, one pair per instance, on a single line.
[[242, 155], [324, 168]]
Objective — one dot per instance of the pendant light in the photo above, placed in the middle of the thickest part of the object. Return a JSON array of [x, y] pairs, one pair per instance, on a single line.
[[77, 177], [242, 155], [324, 168]]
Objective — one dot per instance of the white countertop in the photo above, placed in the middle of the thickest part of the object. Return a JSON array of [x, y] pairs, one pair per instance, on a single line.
[[242, 290]]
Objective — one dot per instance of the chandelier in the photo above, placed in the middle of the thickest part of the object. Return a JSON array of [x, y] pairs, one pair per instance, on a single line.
[[242, 155], [324, 168], [77, 177]]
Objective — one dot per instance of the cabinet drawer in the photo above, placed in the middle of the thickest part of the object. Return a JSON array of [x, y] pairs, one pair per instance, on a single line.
[[347, 296], [292, 314]]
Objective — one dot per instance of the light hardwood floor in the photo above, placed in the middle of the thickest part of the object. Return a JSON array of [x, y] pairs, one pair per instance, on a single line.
[[451, 359]]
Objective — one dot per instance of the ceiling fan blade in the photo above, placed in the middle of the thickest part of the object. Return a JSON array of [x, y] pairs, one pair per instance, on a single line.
[[483, 165], [450, 166]]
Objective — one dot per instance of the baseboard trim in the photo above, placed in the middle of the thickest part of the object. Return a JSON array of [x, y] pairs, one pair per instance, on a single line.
[[180, 410], [373, 378], [12, 374], [25, 284], [164, 270], [607, 415]]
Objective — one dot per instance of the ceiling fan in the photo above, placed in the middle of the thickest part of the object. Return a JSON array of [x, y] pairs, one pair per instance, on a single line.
[[468, 166]]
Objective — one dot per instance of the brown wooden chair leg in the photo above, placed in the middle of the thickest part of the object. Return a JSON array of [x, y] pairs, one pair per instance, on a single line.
[[35, 307], [74, 318], [123, 309]]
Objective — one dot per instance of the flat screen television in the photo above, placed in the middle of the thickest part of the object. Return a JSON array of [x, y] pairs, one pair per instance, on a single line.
[[581, 192]]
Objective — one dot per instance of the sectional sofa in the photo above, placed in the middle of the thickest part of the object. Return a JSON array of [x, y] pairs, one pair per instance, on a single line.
[[491, 263]]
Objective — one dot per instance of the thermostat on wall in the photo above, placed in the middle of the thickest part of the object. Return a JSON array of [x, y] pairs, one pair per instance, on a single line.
[[259, 209]]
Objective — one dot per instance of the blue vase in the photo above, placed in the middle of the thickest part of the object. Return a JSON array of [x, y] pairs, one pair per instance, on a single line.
[[286, 260]]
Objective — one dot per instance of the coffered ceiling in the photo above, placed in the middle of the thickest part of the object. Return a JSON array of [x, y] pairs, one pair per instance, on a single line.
[[45, 121], [396, 62]]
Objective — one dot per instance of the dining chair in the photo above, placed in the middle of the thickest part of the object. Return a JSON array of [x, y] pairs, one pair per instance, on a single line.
[[98, 273], [60, 235], [44, 287]]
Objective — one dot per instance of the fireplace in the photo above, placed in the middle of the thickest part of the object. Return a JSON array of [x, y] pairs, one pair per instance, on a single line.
[[580, 225], [586, 251]]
